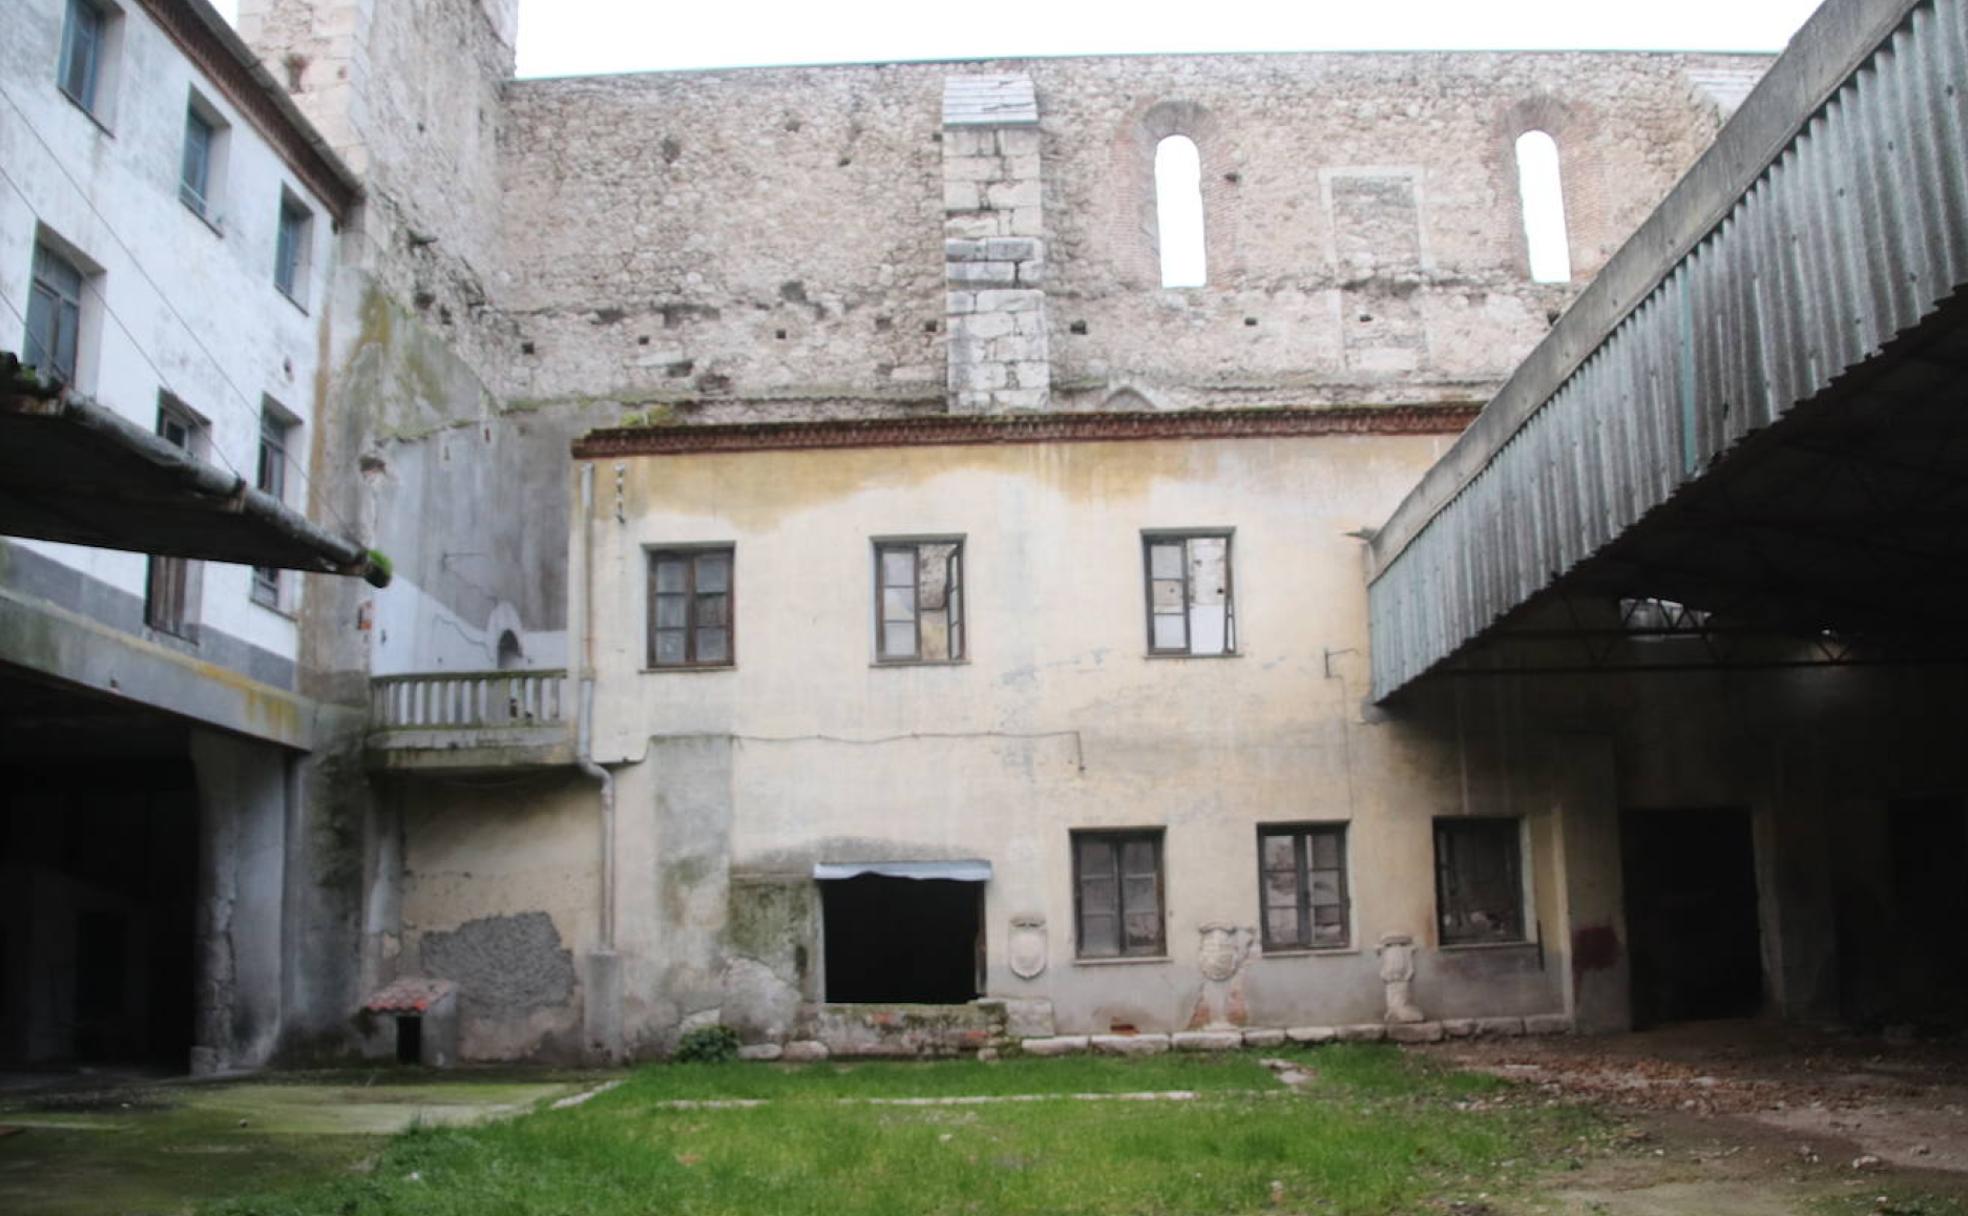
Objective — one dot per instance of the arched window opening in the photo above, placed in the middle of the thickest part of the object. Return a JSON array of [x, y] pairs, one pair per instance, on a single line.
[[1543, 195], [1179, 211], [510, 654]]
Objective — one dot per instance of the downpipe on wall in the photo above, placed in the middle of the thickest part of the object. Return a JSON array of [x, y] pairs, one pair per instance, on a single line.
[[602, 998]]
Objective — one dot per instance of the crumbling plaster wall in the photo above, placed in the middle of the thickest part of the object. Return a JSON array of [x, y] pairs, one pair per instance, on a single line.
[[765, 242], [500, 882]]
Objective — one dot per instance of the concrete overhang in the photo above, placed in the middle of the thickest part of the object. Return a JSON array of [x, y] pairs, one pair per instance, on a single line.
[[74, 471], [66, 649]]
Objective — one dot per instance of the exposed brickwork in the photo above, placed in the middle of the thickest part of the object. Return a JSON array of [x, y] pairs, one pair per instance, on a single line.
[[1068, 428]]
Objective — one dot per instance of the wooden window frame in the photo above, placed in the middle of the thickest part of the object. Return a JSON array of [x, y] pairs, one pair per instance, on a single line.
[[77, 14], [1300, 834], [955, 607], [1117, 839], [1444, 879], [689, 554], [293, 249], [60, 311], [1149, 540]]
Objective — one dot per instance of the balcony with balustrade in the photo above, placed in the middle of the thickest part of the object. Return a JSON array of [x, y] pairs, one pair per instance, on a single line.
[[467, 721]]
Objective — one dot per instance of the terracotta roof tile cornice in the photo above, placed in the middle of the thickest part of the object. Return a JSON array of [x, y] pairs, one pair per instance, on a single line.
[[944, 430]]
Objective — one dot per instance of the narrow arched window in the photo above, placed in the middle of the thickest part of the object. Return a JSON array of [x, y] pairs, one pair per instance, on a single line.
[[1179, 212], [1543, 195]]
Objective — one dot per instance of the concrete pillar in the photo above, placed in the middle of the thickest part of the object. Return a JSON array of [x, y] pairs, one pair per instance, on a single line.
[[1590, 944], [238, 949], [994, 246]]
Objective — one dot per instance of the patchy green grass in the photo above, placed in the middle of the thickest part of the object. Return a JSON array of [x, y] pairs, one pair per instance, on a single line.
[[1375, 1132], [946, 1078], [158, 1148]]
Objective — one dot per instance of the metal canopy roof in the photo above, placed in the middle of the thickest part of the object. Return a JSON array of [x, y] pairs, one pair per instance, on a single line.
[[73, 471], [1755, 411]]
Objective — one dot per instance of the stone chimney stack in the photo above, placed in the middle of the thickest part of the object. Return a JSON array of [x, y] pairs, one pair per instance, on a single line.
[[994, 246]]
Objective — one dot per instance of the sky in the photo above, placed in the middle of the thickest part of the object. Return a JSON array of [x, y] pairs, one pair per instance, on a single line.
[[577, 37]]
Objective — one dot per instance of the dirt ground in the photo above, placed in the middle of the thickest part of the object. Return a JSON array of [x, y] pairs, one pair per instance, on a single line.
[[1747, 1117]]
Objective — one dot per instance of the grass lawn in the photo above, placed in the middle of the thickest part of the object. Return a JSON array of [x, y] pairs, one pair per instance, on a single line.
[[1376, 1131]]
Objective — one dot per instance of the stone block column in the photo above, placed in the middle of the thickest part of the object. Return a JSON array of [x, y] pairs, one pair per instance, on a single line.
[[994, 246]]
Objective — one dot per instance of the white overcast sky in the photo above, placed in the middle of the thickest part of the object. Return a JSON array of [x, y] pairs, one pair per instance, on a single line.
[[573, 37]]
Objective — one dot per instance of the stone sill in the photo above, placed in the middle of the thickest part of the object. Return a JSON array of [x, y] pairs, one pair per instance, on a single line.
[[1311, 952], [1126, 960]]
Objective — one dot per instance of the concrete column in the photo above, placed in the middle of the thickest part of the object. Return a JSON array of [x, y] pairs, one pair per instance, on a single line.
[[1590, 941], [994, 246], [238, 955]]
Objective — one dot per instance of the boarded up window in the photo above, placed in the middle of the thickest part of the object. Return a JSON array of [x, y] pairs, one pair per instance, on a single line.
[[690, 608], [919, 601], [1376, 219], [1302, 880], [169, 582], [1479, 886], [1190, 606], [1117, 880]]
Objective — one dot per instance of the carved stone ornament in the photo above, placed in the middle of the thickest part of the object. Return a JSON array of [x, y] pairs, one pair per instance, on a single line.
[[1027, 946], [1222, 950], [1397, 971]]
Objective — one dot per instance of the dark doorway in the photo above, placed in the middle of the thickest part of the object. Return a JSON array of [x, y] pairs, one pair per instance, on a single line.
[[896, 941], [99, 845], [1691, 914], [1927, 850]]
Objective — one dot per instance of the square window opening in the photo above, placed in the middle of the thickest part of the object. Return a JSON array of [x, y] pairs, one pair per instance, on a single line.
[[690, 608], [1118, 894], [1190, 598], [919, 612], [1304, 900], [895, 941], [1479, 884]]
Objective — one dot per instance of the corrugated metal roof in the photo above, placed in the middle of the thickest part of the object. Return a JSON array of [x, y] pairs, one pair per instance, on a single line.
[[1853, 232]]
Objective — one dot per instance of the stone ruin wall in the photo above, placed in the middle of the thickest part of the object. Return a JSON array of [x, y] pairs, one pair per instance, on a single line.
[[768, 243]]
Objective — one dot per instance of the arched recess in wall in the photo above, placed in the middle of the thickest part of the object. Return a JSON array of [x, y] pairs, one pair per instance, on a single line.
[[1179, 213], [1138, 149], [1541, 193]]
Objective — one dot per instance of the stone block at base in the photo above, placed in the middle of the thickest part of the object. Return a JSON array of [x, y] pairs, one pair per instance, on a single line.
[[1365, 1032], [1264, 1038], [1459, 1028], [1207, 1040], [761, 1051], [1548, 1023], [1415, 1032], [1130, 1044], [804, 1051], [1058, 1045], [1507, 1027], [1311, 1034]]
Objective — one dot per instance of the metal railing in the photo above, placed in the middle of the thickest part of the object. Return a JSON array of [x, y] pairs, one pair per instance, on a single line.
[[469, 699]]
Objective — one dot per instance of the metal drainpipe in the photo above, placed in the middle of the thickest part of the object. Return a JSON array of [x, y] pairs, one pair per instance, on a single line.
[[584, 731]]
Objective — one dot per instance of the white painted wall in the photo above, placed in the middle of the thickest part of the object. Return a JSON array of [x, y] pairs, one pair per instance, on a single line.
[[179, 304]]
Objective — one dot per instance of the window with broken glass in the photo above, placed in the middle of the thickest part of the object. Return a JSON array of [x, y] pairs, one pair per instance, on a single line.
[[690, 608], [1479, 886], [1117, 880], [170, 582], [1191, 609], [1302, 878], [919, 601]]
